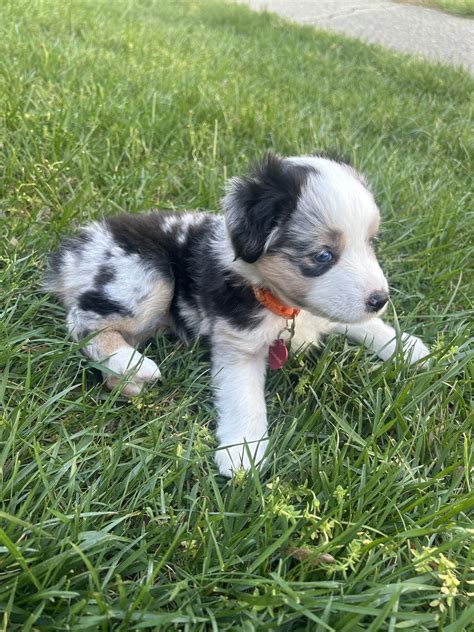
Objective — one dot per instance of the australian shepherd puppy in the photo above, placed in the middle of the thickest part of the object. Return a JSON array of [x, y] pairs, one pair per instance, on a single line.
[[290, 257]]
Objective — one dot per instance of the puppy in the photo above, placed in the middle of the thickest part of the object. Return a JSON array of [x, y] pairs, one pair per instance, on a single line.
[[291, 256]]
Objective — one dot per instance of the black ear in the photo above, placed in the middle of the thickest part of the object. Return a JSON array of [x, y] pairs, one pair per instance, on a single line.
[[258, 203]]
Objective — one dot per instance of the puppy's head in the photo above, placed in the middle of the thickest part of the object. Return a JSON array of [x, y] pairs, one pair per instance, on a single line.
[[304, 228]]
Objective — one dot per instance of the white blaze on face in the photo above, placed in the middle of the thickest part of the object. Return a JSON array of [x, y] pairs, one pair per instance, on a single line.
[[336, 199]]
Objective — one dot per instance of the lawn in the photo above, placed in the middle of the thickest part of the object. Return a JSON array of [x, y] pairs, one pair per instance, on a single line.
[[457, 7], [112, 514]]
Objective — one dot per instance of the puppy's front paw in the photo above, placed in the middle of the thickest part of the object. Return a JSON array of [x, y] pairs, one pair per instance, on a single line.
[[240, 457], [413, 349], [138, 369]]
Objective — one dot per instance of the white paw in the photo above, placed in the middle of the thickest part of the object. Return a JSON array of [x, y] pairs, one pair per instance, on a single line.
[[413, 348], [236, 457], [138, 369]]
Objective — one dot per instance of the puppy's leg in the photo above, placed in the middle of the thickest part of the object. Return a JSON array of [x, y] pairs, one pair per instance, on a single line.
[[382, 339], [110, 349], [238, 381]]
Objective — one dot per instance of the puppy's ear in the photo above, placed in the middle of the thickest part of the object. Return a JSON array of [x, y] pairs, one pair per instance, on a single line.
[[259, 203]]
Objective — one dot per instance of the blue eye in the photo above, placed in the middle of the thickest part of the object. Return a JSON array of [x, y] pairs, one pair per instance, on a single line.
[[324, 256]]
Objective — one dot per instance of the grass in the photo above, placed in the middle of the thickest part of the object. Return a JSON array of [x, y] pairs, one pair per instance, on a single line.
[[112, 514], [456, 7]]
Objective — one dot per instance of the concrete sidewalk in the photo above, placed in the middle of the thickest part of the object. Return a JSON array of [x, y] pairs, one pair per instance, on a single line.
[[404, 27]]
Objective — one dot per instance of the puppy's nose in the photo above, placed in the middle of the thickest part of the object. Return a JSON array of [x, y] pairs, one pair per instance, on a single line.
[[376, 301]]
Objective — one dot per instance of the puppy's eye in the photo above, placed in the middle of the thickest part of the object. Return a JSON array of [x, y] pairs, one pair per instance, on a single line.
[[324, 256]]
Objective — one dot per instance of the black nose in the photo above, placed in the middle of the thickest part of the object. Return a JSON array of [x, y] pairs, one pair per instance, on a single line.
[[376, 301]]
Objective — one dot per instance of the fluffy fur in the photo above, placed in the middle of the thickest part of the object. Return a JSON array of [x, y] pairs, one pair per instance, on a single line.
[[301, 227]]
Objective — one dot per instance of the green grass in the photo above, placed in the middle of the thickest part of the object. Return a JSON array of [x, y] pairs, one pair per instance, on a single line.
[[112, 514], [457, 7]]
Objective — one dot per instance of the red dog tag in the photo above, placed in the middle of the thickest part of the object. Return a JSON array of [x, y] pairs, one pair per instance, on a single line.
[[277, 354]]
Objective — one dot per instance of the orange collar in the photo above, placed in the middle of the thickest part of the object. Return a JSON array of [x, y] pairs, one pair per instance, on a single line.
[[270, 301]]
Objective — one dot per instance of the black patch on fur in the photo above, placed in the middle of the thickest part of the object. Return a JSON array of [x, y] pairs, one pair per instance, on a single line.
[[236, 302], [104, 276], [261, 201], [145, 235], [96, 301], [202, 284]]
